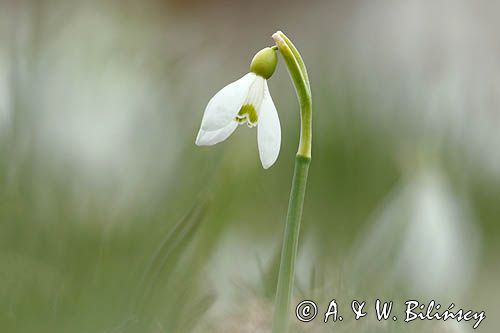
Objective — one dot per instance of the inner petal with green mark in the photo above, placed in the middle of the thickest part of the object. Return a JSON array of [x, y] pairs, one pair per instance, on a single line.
[[248, 115]]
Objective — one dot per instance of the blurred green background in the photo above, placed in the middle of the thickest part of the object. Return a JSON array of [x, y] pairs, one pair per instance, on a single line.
[[112, 220]]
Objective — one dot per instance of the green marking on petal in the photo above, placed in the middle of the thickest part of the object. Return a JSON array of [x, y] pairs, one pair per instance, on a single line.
[[247, 114]]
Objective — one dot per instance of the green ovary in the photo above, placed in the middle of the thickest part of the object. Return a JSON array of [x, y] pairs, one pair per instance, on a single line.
[[247, 114]]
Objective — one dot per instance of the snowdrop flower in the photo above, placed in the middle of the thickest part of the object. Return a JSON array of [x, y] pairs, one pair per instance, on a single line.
[[246, 101]]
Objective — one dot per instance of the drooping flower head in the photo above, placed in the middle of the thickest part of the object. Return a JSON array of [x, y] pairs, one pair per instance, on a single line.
[[246, 101]]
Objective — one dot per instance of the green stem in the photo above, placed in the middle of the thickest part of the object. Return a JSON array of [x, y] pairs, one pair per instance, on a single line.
[[290, 243], [300, 79]]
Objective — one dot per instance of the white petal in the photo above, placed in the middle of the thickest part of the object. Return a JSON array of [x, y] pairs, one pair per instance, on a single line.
[[268, 131], [208, 138], [256, 92], [225, 105]]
